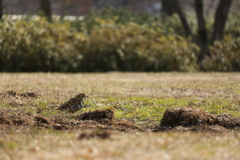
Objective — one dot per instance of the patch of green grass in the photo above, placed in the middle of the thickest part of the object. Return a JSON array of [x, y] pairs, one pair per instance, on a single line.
[[220, 106], [133, 96], [151, 110], [39, 104]]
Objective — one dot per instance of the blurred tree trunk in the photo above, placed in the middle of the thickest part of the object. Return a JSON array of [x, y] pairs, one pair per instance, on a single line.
[[168, 7], [96, 4], [183, 19], [125, 3], [202, 31], [173, 6], [220, 19], [1, 9], [45, 7]]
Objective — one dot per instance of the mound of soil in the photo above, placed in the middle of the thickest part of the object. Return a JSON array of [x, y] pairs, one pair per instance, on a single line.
[[227, 121], [186, 116], [97, 115], [96, 133], [42, 122], [106, 119], [5, 120], [119, 124], [175, 119], [103, 119], [15, 120], [41, 119], [196, 119]]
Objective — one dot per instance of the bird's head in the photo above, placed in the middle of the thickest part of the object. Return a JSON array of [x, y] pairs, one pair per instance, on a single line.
[[81, 95]]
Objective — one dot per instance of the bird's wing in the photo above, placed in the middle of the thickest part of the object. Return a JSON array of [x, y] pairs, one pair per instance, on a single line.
[[63, 106], [71, 102], [67, 104]]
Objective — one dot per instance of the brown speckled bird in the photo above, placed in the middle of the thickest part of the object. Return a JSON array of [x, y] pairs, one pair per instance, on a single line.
[[74, 104]]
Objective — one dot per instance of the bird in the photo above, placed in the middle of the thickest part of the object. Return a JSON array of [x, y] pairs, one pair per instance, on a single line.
[[74, 104]]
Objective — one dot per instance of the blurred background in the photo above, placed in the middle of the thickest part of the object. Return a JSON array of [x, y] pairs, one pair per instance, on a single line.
[[119, 35], [82, 7]]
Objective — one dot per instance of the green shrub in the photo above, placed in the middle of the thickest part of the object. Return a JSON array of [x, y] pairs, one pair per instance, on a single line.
[[113, 15], [109, 41], [134, 47], [37, 45], [123, 16], [172, 24], [233, 25], [224, 56]]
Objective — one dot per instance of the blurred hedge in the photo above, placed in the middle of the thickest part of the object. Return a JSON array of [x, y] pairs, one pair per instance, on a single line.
[[134, 47], [224, 55], [110, 14], [109, 40], [123, 16], [37, 45]]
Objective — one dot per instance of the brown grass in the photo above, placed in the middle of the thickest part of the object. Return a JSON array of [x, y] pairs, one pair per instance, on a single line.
[[27, 107]]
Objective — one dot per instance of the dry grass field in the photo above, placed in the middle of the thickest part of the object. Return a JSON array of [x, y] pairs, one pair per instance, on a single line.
[[32, 128]]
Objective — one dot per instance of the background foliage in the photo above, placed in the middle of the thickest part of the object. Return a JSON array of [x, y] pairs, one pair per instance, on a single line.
[[36, 45], [110, 40], [224, 56]]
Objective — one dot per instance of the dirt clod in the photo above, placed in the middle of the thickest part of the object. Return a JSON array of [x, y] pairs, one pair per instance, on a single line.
[[5, 120], [97, 115], [96, 133], [187, 116], [106, 119], [11, 93], [28, 94], [41, 119], [196, 119], [19, 122], [227, 121], [25, 94], [175, 119]]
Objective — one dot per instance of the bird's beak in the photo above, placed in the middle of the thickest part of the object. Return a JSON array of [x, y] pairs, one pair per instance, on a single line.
[[86, 97]]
